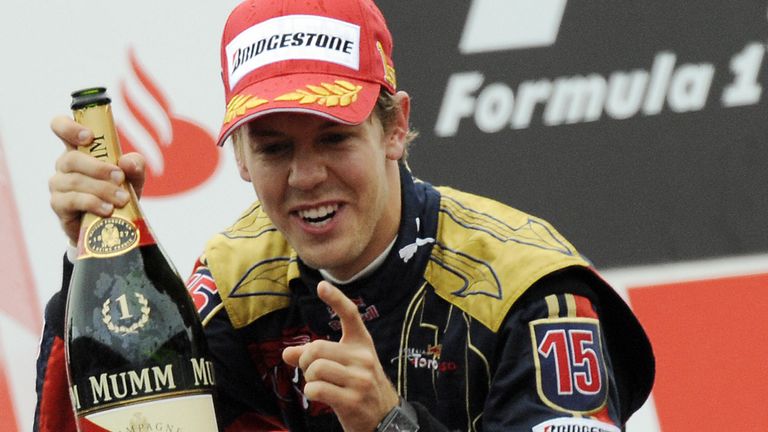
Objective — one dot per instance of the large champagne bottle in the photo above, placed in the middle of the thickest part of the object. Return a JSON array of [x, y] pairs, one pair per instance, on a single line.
[[135, 349]]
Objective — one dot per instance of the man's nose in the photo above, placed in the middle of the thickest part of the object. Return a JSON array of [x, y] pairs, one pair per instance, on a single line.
[[308, 169]]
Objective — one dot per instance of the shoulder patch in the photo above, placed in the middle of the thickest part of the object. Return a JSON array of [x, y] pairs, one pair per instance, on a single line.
[[252, 265], [571, 374], [487, 254], [204, 292]]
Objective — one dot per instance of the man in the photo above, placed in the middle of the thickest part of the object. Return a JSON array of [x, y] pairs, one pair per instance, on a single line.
[[352, 296]]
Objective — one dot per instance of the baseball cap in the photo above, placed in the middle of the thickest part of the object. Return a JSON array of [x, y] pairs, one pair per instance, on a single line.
[[324, 57]]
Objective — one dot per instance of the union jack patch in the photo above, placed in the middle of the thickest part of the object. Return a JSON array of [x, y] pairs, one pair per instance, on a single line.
[[570, 368], [204, 292]]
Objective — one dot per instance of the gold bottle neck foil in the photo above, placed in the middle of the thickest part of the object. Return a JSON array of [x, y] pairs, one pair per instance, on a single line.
[[125, 228]]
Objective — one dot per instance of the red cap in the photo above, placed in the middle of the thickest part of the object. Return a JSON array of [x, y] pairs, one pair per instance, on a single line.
[[323, 57]]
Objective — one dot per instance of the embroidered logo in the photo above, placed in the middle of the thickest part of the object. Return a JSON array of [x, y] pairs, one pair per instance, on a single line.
[[566, 424], [240, 104], [408, 251], [570, 370], [428, 358], [389, 71], [367, 313]]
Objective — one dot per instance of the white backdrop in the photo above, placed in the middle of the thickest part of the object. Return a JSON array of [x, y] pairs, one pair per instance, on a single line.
[[51, 48]]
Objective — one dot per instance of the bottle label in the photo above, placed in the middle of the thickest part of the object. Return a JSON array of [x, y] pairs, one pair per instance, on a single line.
[[104, 391], [110, 237], [178, 414]]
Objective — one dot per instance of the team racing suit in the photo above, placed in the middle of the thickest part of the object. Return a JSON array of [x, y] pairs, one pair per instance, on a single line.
[[483, 317]]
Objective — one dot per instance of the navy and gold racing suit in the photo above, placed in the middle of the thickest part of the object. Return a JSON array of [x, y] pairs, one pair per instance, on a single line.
[[483, 317]]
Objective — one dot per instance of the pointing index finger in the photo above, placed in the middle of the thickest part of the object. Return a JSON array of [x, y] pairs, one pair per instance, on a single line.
[[352, 326]]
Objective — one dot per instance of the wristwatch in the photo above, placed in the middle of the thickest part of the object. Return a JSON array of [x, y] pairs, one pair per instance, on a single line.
[[402, 418]]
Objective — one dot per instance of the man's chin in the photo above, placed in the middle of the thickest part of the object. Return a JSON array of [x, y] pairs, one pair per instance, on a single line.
[[321, 259], [332, 254]]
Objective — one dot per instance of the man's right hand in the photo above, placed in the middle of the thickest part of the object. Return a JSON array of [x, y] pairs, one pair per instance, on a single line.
[[83, 183]]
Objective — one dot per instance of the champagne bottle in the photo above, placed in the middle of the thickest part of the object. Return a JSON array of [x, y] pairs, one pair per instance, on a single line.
[[135, 350]]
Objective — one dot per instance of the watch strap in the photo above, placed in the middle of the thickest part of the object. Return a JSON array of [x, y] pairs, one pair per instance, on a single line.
[[401, 418]]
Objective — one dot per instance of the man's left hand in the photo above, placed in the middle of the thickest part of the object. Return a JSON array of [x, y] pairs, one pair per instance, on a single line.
[[346, 375]]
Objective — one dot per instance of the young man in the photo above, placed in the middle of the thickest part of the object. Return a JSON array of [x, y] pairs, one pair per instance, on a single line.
[[351, 296]]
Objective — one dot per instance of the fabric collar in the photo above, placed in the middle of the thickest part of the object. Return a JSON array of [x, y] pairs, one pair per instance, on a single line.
[[400, 274]]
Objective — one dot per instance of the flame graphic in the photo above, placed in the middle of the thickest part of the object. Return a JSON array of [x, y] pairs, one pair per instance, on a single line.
[[18, 291], [8, 420], [188, 155]]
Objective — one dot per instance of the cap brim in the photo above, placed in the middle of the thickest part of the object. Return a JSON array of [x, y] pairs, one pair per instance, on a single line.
[[335, 97]]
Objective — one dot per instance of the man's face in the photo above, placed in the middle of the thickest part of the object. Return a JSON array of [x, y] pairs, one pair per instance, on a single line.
[[333, 190]]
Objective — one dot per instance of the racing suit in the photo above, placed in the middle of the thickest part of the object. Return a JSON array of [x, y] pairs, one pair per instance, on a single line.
[[483, 317]]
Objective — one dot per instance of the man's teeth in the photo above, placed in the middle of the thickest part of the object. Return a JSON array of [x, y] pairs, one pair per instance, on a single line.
[[319, 215]]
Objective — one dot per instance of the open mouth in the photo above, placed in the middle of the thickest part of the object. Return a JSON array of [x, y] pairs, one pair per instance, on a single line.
[[319, 216]]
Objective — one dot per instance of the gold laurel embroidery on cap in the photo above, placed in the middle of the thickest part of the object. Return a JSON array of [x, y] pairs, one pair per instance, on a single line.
[[340, 93], [240, 104], [389, 71]]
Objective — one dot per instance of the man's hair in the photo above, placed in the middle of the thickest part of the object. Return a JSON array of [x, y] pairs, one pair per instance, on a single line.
[[385, 109]]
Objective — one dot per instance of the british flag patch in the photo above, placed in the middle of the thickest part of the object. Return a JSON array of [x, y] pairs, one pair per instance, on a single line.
[[202, 288]]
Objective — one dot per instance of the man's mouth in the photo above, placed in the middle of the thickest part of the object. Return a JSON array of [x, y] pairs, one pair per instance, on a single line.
[[319, 216]]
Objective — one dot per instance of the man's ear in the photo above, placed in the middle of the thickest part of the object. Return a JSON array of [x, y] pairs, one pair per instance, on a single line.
[[237, 145], [396, 140]]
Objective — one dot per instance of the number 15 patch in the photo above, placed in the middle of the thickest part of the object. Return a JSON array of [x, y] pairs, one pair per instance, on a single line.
[[570, 370]]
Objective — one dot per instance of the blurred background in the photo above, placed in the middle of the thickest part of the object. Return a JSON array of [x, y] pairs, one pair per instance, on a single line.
[[638, 128]]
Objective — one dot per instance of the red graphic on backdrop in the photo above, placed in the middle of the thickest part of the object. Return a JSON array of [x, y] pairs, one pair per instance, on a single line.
[[8, 418], [189, 154], [18, 291], [709, 337]]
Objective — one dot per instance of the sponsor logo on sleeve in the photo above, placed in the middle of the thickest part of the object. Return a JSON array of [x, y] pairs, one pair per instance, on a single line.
[[568, 424]]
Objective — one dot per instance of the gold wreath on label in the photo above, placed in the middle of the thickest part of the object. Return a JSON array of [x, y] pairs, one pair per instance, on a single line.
[[340, 93], [120, 329]]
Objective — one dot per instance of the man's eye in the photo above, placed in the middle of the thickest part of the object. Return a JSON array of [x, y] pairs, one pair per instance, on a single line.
[[334, 138], [272, 149]]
